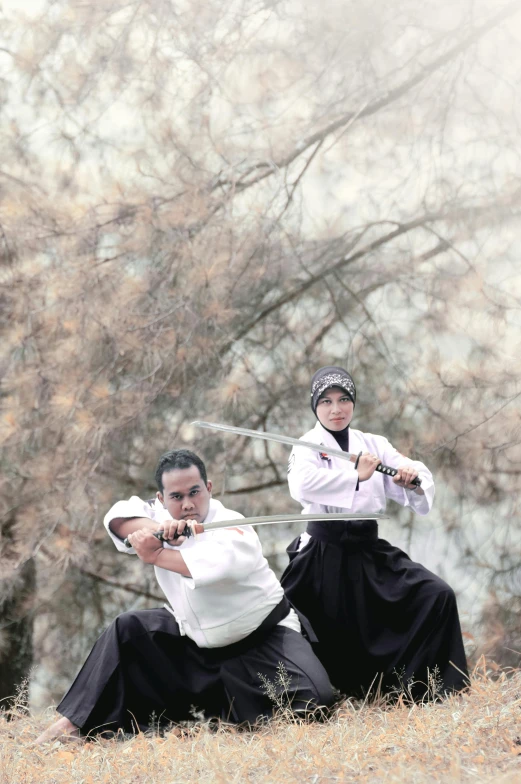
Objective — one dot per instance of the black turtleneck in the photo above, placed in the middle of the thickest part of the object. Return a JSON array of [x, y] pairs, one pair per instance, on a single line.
[[341, 437]]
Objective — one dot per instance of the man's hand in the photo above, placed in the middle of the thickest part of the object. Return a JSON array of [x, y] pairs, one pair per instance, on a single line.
[[147, 547], [172, 528], [367, 466], [150, 550], [404, 478]]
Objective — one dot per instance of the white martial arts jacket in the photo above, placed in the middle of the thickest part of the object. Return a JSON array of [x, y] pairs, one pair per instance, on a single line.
[[328, 484], [232, 588]]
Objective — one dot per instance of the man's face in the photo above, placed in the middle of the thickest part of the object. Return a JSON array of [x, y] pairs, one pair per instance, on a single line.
[[185, 495]]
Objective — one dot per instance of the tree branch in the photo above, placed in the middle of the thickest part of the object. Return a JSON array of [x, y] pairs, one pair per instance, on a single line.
[[256, 488], [344, 261], [270, 167], [121, 586]]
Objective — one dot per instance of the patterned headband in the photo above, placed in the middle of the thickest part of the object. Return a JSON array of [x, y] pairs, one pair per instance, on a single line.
[[331, 377], [334, 380]]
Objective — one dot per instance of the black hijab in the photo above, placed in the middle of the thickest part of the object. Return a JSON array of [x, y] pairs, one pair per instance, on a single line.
[[333, 376]]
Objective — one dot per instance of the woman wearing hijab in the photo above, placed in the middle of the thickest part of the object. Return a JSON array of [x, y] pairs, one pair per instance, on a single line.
[[384, 623]]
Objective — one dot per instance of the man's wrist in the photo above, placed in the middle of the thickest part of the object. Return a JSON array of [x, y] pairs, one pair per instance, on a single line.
[[155, 556]]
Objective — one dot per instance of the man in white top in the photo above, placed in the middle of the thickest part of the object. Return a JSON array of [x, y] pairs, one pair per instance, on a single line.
[[218, 642]]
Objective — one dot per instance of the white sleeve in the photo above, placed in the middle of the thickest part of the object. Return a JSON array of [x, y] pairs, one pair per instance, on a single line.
[[311, 480], [134, 507], [421, 504], [228, 555]]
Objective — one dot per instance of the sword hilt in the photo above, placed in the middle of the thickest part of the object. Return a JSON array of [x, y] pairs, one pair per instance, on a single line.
[[388, 471], [188, 532]]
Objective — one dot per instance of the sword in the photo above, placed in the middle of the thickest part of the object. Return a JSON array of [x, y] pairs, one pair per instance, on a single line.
[[214, 525], [243, 431]]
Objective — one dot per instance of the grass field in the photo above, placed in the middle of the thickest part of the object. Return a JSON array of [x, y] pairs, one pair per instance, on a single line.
[[473, 738]]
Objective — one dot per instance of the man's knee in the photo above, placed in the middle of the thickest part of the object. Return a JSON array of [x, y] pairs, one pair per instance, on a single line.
[[127, 625], [314, 688], [323, 695]]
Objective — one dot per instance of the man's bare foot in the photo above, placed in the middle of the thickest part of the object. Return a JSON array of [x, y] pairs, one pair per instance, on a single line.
[[63, 730]]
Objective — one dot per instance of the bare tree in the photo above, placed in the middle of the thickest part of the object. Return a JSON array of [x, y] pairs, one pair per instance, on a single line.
[[201, 205]]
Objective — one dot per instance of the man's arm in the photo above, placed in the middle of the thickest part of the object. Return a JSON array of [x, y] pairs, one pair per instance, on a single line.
[[123, 526], [126, 517], [150, 550]]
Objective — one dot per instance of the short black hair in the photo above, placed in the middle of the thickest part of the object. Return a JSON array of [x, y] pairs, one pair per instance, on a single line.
[[178, 458]]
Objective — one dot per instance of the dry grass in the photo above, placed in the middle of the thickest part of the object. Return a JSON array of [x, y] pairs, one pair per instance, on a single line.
[[473, 738]]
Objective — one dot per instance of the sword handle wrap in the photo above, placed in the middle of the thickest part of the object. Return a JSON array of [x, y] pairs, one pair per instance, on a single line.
[[188, 532], [388, 471]]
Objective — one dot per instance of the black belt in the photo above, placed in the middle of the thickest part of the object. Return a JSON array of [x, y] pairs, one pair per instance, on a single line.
[[358, 533], [277, 615], [279, 612]]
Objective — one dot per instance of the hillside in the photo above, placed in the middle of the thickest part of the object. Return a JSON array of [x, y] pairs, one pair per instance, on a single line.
[[473, 738]]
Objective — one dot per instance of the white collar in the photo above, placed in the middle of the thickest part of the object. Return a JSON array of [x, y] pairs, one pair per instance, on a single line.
[[325, 436]]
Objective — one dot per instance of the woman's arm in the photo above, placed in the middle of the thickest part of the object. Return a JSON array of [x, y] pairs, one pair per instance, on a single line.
[[419, 499], [310, 480]]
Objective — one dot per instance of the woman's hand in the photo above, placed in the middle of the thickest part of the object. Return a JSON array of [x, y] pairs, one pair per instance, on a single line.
[[367, 466], [404, 478]]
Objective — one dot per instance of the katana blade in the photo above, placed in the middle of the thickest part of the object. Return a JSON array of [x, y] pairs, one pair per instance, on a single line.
[[215, 525], [287, 518], [280, 439]]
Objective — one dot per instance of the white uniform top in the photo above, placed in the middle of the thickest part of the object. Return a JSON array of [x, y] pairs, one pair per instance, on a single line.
[[231, 589], [328, 484]]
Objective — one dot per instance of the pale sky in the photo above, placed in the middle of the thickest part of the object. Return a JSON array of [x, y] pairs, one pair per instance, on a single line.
[[26, 6]]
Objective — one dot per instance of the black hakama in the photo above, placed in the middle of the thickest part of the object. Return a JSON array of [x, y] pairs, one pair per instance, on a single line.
[[142, 672], [383, 622]]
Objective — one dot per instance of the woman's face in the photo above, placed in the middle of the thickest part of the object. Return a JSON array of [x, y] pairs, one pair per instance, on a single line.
[[334, 409]]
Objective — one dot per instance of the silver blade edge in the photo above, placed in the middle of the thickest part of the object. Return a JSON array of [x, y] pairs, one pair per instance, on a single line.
[[289, 518], [279, 439]]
